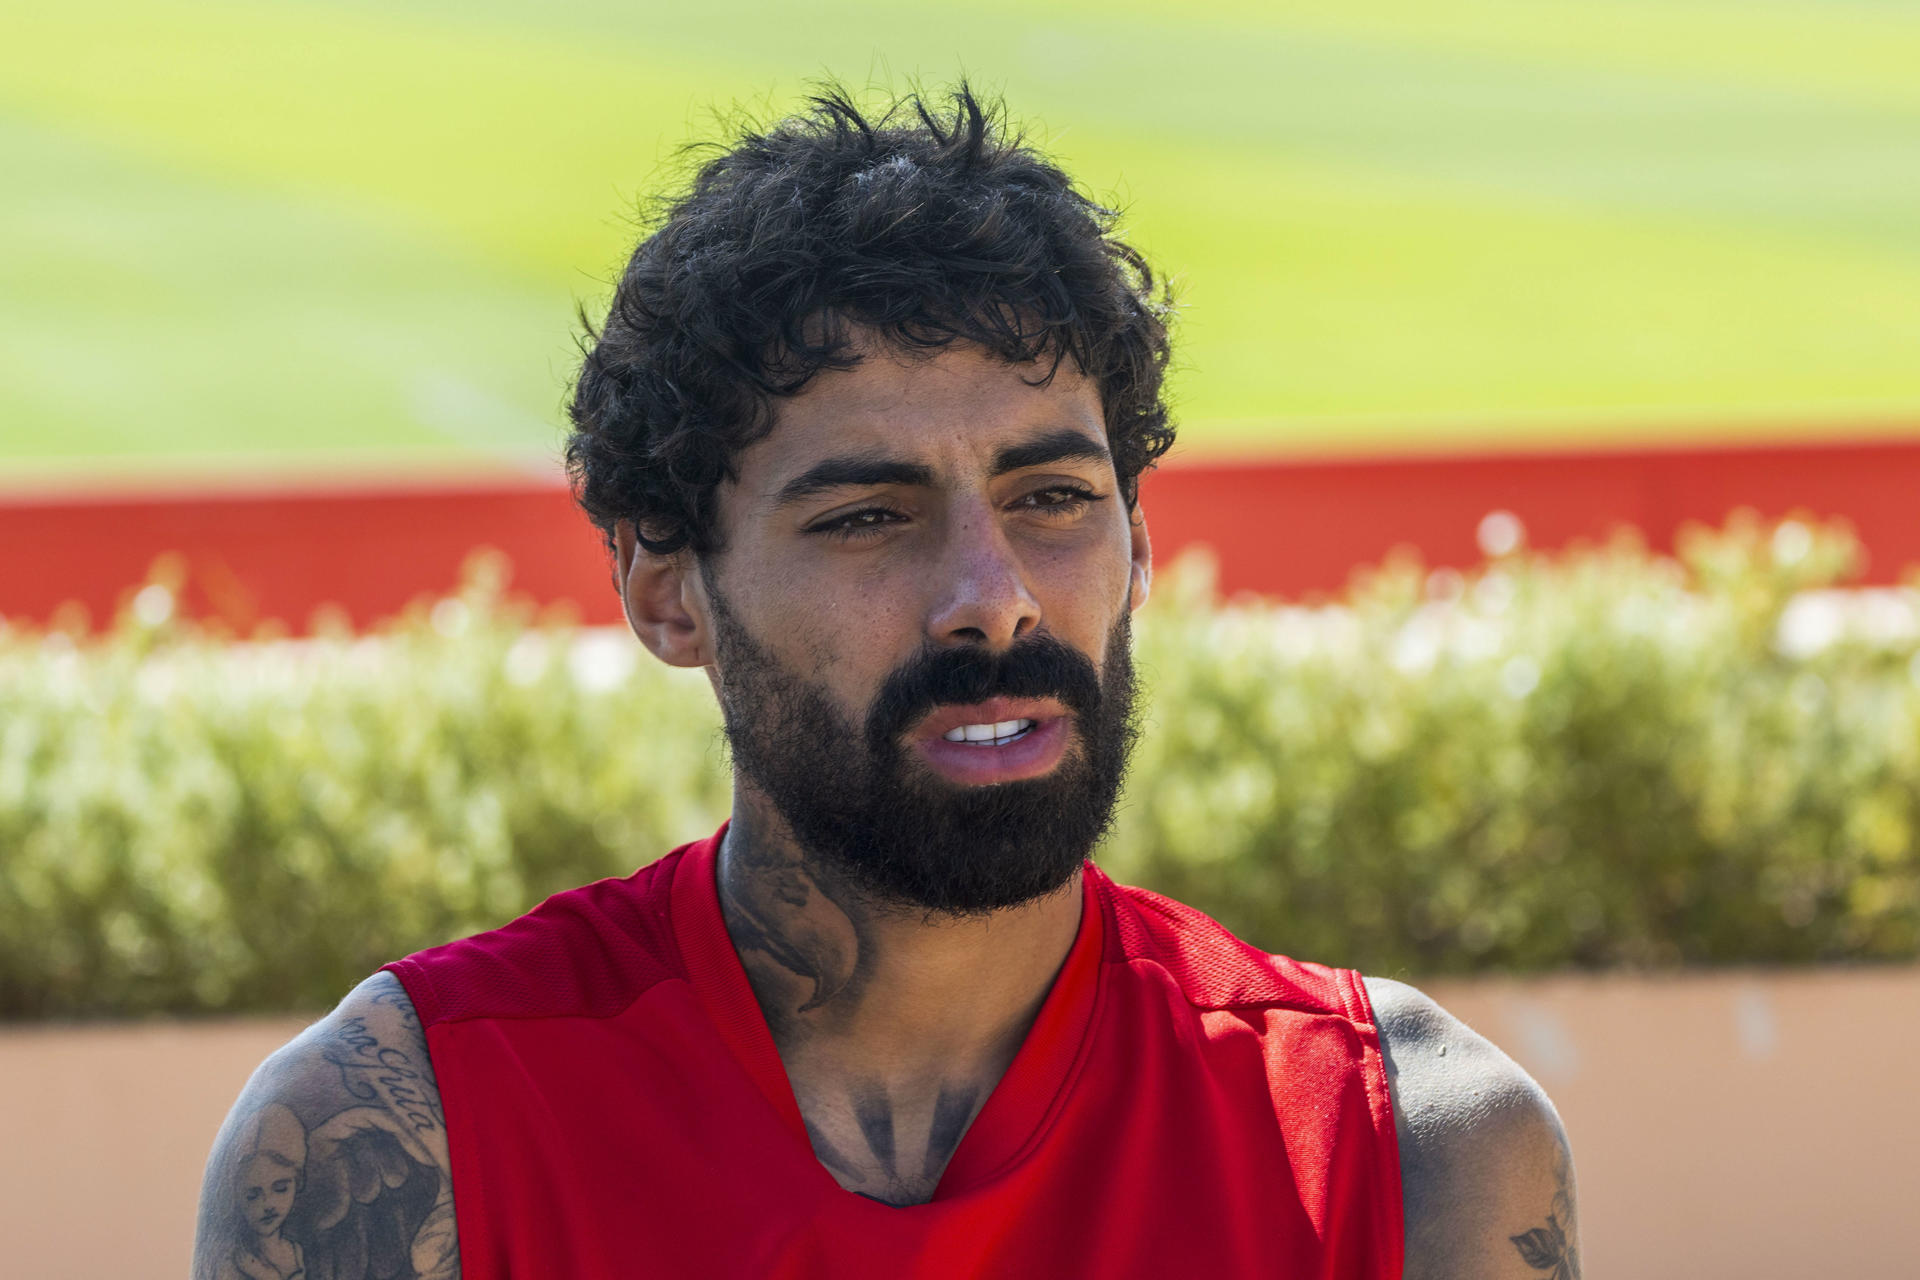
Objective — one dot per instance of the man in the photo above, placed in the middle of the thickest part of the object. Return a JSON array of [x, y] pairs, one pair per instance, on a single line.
[[864, 429]]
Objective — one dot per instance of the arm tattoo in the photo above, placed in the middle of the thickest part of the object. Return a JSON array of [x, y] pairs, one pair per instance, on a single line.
[[337, 1174], [385, 1075], [1555, 1248]]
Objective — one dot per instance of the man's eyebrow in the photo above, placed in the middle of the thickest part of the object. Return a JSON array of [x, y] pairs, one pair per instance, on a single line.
[[871, 470], [1063, 444], [858, 471]]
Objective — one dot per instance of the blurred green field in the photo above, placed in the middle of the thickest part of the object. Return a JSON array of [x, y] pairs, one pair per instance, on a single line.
[[328, 234]]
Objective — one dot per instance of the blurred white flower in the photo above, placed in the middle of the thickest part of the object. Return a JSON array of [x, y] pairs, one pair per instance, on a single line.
[[526, 659], [1811, 621], [450, 616], [1416, 646], [1791, 542], [601, 659], [1520, 676], [1494, 592], [1475, 639], [152, 605], [1500, 534]]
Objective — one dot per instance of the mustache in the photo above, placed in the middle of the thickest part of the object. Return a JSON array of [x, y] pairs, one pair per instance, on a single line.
[[1041, 666]]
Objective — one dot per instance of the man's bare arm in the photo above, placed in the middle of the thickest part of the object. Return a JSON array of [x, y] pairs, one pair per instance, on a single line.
[[1485, 1169], [335, 1156]]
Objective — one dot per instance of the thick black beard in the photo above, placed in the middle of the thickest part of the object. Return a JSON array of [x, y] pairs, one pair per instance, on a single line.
[[888, 828]]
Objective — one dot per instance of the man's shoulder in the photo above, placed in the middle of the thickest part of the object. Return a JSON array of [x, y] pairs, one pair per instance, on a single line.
[[1452, 1085], [1216, 969], [1486, 1173], [583, 952], [338, 1137]]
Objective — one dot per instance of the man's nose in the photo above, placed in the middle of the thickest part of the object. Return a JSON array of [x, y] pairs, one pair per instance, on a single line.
[[981, 595]]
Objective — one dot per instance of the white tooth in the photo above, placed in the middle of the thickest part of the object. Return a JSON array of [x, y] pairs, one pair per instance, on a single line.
[[1006, 728], [980, 733], [955, 735]]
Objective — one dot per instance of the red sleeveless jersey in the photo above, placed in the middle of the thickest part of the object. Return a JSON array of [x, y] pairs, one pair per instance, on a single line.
[[1185, 1105]]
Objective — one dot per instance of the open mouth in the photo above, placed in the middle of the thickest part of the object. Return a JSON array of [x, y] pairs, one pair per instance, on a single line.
[[1009, 748], [997, 734], [995, 740]]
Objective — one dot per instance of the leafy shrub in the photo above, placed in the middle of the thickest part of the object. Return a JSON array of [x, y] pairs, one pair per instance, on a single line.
[[1602, 758], [1608, 758], [187, 824]]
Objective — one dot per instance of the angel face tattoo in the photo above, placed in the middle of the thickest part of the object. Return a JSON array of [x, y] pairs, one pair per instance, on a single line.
[[267, 1186], [272, 1157]]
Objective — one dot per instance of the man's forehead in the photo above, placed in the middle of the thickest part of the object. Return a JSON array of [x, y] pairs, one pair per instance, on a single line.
[[956, 411]]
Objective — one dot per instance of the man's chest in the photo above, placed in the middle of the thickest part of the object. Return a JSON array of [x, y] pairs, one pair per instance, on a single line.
[[887, 1143], [581, 1158]]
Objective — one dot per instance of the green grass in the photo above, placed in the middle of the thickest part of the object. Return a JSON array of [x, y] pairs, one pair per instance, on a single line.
[[329, 233]]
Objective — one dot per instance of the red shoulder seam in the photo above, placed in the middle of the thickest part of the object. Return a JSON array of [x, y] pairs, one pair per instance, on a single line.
[[1391, 1223]]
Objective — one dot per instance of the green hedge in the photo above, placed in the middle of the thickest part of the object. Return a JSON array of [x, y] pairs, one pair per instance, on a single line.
[[1607, 759], [1603, 758]]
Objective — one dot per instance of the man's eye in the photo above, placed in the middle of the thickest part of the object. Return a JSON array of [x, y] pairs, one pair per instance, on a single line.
[[866, 522], [1062, 499]]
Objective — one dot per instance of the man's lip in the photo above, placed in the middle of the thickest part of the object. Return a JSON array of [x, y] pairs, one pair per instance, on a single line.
[[945, 719], [1031, 755]]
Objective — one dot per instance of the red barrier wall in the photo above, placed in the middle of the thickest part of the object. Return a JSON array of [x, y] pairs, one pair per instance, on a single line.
[[1289, 527], [1279, 526], [278, 553]]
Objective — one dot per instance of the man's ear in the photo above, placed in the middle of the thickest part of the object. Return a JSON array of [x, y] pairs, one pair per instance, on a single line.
[[663, 601], [1141, 581]]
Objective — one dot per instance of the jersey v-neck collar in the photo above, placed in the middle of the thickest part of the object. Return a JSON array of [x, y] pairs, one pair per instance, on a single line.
[[1020, 1107]]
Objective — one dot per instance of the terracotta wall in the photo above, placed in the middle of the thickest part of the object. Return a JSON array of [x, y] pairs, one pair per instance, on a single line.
[[1750, 1126], [1759, 1126]]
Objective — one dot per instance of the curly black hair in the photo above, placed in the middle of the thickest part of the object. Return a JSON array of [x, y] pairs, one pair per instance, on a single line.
[[923, 226]]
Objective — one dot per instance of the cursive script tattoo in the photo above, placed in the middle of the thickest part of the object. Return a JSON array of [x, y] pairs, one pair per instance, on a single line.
[[385, 1074]]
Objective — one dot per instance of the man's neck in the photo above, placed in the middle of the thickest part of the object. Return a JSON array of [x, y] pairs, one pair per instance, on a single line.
[[894, 1026]]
